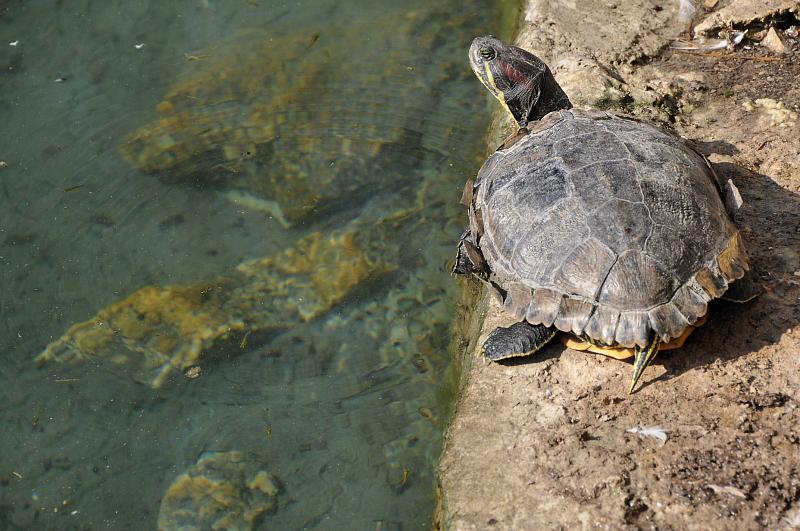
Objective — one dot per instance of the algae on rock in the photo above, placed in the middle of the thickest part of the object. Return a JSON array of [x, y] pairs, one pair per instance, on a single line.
[[296, 124], [160, 329], [223, 490]]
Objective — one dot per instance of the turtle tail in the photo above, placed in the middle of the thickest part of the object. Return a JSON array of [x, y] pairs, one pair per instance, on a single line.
[[642, 358]]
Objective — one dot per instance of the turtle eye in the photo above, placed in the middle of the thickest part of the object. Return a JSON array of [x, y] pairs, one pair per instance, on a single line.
[[488, 53]]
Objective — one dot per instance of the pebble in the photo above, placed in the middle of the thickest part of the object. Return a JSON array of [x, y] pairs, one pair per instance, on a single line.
[[774, 41]]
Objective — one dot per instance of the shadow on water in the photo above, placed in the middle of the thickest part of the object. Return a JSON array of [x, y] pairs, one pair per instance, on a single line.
[[258, 198]]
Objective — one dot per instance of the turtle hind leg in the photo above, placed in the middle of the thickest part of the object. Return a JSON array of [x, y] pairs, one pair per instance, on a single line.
[[519, 339], [642, 358]]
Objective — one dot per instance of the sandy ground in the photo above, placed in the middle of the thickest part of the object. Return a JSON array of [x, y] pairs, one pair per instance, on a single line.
[[543, 443]]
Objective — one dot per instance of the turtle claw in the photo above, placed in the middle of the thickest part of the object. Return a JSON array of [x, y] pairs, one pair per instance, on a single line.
[[642, 358]]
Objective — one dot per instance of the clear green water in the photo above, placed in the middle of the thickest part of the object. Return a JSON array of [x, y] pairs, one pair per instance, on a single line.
[[341, 411]]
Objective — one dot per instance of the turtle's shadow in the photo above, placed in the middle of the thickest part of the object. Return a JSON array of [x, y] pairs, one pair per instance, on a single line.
[[720, 147], [770, 224], [548, 352]]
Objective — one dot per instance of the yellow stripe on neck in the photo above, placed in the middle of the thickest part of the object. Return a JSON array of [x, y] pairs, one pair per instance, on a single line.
[[492, 86]]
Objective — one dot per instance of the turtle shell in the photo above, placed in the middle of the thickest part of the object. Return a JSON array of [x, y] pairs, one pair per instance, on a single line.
[[605, 227]]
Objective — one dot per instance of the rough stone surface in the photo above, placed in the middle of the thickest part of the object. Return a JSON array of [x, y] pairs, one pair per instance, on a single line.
[[744, 12], [543, 442], [584, 42]]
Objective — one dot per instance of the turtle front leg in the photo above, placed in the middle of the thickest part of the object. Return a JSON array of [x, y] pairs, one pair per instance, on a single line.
[[519, 339], [642, 358], [463, 265]]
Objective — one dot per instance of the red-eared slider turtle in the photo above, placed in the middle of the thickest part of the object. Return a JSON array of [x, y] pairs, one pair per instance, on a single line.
[[593, 224]]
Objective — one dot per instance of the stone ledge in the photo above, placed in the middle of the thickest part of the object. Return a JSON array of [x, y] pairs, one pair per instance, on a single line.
[[544, 442]]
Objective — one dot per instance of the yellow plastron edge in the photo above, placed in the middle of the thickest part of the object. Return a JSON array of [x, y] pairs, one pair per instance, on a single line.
[[623, 353]]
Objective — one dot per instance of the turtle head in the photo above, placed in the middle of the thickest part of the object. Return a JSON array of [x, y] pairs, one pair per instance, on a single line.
[[519, 79]]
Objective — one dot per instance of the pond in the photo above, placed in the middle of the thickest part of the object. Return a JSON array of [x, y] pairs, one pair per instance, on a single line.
[[225, 238]]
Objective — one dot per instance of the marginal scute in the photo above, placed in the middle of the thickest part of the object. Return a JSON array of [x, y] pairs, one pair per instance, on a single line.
[[513, 139], [633, 329], [698, 290], [496, 292], [517, 300], [573, 315], [690, 303], [667, 321], [548, 121], [468, 193], [602, 324], [476, 221], [712, 282], [732, 261], [544, 307], [568, 127], [594, 114]]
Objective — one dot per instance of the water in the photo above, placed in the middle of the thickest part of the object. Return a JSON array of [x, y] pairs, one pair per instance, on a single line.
[[250, 205]]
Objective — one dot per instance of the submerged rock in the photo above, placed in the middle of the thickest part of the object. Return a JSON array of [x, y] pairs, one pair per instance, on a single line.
[[160, 329], [289, 124], [223, 490], [306, 120]]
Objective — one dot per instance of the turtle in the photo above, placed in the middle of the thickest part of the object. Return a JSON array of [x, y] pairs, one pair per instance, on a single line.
[[601, 227]]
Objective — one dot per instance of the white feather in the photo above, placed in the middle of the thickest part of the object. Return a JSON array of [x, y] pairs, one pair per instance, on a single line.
[[656, 432], [738, 36], [686, 9]]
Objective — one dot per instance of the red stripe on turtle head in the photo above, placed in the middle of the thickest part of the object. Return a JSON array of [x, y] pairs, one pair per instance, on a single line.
[[514, 75]]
